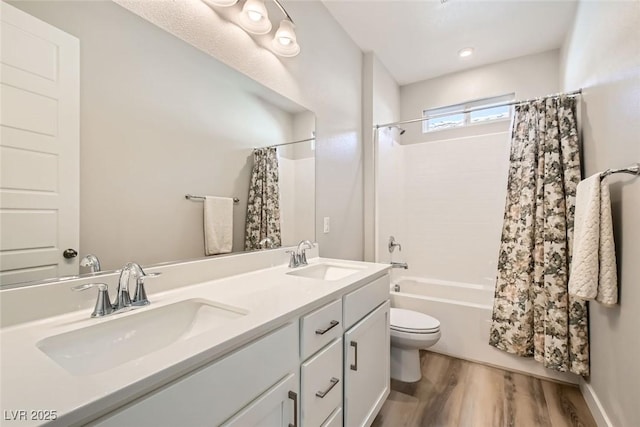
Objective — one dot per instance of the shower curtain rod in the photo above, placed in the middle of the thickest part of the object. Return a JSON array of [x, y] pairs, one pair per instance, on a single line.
[[484, 107], [287, 143]]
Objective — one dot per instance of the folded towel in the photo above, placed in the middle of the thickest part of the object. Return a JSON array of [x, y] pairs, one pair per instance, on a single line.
[[218, 225], [593, 268]]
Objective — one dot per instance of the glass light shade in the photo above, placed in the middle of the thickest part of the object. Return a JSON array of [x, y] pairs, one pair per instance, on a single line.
[[222, 3], [284, 43], [254, 18]]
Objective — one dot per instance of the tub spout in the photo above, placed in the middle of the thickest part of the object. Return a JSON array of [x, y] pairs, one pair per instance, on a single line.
[[399, 265]]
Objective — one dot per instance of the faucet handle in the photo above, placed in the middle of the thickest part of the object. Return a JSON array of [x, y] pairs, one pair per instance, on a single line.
[[294, 261], [140, 295], [103, 303]]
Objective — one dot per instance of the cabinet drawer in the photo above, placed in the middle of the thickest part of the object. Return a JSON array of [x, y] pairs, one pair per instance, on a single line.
[[334, 420], [322, 376], [318, 328], [214, 393], [361, 302]]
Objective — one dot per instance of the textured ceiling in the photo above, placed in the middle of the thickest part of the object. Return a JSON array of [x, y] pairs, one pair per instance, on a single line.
[[420, 39]]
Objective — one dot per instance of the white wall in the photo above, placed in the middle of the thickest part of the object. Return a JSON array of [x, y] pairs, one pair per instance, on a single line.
[[326, 78], [602, 56], [380, 104], [159, 119], [528, 76]]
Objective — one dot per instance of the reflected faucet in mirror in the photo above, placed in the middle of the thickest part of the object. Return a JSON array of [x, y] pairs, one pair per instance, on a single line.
[[263, 243], [92, 262]]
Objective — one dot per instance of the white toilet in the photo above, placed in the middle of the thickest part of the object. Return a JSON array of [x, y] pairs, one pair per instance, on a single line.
[[410, 331]]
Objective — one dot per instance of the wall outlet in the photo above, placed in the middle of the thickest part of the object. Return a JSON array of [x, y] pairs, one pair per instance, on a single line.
[[327, 224]]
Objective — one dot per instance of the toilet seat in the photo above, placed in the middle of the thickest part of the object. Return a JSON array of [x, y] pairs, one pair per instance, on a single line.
[[409, 321]]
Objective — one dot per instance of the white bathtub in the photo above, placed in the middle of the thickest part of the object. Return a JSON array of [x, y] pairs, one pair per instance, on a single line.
[[464, 311]]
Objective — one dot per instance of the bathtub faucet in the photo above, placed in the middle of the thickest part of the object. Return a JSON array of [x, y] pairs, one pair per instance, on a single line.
[[399, 265]]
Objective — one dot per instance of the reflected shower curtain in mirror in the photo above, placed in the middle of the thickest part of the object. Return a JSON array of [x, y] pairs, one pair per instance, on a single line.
[[533, 314], [263, 205]]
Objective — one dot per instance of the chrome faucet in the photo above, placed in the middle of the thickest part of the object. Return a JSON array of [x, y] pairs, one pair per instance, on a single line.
[[92, 262], [123, 299], [299, 256], [302, 253]]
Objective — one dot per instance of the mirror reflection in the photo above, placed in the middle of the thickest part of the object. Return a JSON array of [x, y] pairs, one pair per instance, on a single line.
[[158, 119]]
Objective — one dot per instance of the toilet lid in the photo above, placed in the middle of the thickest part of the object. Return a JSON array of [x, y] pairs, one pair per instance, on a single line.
[[412, 321]]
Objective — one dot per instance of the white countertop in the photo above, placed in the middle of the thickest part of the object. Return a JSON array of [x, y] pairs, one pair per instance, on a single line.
[[30, 380]]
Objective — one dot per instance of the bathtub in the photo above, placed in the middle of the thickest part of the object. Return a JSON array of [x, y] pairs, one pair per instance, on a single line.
[[464, 311]]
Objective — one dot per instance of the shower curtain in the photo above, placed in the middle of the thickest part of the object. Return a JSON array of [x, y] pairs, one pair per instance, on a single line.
[[533, 314], [263, 205]]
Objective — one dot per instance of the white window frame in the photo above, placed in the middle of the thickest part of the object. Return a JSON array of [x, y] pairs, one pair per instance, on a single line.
[[464, 108]]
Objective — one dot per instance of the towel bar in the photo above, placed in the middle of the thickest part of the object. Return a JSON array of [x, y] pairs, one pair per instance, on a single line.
[[633, 170], [192, 197]]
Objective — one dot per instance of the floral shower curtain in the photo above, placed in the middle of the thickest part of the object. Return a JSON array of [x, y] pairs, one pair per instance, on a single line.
[[533, 314], [263, 205]]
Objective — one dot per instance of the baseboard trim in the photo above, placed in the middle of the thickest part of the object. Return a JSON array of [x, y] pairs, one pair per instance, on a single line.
[[597, 411]]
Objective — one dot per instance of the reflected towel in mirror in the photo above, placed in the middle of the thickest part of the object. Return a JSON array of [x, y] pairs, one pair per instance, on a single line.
[[218, 225]]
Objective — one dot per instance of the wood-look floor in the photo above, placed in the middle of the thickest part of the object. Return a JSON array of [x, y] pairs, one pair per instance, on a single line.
[[458, 393]]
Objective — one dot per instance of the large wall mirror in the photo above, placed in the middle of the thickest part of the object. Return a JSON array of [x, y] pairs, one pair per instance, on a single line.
[[159, 119]]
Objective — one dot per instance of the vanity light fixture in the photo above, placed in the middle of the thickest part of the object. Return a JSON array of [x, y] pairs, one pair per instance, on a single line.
[[466, 52], [254, 19]]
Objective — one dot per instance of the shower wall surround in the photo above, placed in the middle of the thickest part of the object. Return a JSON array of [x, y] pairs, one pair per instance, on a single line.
[[444, 199]]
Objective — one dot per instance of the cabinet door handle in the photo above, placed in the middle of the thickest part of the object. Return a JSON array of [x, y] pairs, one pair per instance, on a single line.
[[294, 396], [322, 394], [354, 366], [332, 325]]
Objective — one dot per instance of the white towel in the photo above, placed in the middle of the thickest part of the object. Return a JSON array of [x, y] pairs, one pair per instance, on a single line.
[[218, 225], [593, 270]]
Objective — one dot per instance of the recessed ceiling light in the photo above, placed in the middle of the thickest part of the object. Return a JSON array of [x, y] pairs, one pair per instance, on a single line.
[[466, 52]]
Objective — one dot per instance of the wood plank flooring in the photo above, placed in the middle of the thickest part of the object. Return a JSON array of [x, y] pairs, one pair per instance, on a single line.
[[458, 393]]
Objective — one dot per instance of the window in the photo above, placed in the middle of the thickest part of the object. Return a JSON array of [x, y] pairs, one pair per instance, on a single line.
[[455, 116]]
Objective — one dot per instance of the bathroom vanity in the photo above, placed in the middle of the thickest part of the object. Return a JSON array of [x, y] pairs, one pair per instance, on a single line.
[[264, 345]]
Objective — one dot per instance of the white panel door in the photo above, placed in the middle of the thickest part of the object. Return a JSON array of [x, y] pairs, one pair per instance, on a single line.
[[366, 370], [39, 148]]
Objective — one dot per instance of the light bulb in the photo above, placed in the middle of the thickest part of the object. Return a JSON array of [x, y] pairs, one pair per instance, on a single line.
[[284, 43], [254, 16]]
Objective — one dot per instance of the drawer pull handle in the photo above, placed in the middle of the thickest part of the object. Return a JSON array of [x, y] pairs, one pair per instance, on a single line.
[[322, 394], [294, 396], [354, 366], [332, 325]]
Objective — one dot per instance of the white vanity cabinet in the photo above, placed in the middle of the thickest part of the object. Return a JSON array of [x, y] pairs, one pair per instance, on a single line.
[[366, 352], [256, 385], [329, 368]]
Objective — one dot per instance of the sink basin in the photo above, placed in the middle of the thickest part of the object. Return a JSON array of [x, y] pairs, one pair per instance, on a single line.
[[117, 340], [326, 271]]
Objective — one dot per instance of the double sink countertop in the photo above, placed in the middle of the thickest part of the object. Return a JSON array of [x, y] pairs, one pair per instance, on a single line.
[[242, 308]]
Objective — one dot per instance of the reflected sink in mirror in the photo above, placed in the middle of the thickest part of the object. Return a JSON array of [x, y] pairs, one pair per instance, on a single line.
[[326, 271], [118, 340]]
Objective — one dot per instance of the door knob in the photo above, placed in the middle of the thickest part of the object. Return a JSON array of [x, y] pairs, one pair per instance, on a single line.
[[70, 253]]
